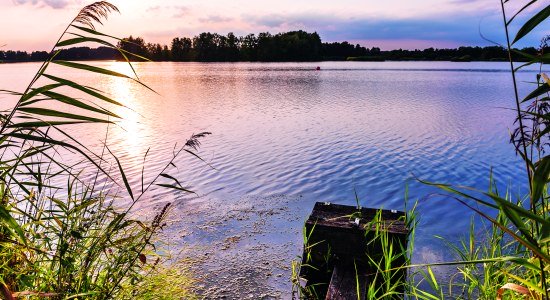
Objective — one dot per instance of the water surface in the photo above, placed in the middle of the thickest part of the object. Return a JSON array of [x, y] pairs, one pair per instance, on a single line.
[[285, 136]]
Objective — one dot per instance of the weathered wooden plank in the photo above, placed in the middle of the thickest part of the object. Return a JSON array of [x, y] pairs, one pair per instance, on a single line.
[[345, 284]]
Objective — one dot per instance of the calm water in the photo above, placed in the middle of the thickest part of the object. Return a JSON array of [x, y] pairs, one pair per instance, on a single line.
[[285, 136]]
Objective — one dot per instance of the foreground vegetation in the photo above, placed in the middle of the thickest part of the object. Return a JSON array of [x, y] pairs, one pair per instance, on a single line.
[[513, 257], [65, 236], [510, 256], [67, 229]]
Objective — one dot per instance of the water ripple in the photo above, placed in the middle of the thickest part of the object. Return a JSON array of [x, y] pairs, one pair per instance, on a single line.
[[284, 129]]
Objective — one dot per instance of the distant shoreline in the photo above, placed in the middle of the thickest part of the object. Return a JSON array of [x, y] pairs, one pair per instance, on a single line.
[[289, 61], [292, 46]]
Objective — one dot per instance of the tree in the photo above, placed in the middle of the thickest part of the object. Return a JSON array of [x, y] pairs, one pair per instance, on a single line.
[[204, 46], [134, 45], [232, 50], [181, 49]]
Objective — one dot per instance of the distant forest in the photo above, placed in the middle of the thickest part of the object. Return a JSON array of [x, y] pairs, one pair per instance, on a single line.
[[288, 46]]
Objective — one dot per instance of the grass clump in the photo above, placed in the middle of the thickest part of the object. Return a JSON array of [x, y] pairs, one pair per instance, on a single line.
[[165, 283], [67, 229], [344, 244], [510, 257]]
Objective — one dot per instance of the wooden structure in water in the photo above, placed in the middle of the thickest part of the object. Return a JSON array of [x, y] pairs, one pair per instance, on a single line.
[[344, 245]]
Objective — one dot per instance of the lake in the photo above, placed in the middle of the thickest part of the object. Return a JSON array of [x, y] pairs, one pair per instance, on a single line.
[[285, 136]]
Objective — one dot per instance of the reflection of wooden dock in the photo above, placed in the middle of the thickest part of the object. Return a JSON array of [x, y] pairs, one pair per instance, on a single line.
[[341, 247]]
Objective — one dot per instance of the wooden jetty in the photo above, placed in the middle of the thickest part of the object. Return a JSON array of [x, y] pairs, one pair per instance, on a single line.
[[343, 245]]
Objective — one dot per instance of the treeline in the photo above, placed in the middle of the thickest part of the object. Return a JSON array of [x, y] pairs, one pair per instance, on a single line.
[[288, 46], [75, 53]]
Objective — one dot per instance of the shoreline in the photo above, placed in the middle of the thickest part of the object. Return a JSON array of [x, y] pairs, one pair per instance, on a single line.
[[286, 61]]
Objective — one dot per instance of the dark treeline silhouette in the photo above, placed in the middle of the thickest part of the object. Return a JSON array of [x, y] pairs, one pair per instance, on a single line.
[[75, 53], [288, 46]]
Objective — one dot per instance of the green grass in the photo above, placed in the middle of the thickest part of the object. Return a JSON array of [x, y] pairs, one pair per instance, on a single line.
[[165, 283], [76, 241], [509, 257]]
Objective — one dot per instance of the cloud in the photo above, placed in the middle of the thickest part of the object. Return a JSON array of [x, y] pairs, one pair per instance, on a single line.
[[462, 2], [56, 4], [153, 8], [215, 19], [177, 11], [272, 20], [447, 29], [181, 11]]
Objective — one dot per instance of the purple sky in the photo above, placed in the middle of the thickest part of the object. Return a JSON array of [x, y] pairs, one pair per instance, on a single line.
[[388, 24]]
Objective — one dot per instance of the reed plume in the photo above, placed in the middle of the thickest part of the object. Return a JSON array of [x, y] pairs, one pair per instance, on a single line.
[[94, 12]]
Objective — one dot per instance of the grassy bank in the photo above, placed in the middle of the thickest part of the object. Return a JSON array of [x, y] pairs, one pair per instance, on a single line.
[[76, 240]]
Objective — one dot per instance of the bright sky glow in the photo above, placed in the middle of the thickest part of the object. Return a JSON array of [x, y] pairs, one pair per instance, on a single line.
[[389, 24]]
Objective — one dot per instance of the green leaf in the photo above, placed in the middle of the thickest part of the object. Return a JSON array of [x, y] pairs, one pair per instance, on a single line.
[[124, 179], [72, 41], [6, 218], [43, 69], [518, 209], [49, 141], [522, 9], [44, 123], [13, 93], [544, 58], [84, 89], [39, 90], [197, 156], [449, 188], [171, 177], [97, 70], [88, 30], [527, 240], [541, 89], [532, 23], [533, 247], [519, 223], [55, 113], [143, 168], [120, 50], [540, 178], [74, 102], [524, 282], [545, 233], [90, 68], [433, 280], [175, 188], [82, 39]]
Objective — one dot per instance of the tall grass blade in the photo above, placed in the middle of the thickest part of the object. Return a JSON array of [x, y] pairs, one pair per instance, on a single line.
[[541, 90], [74, 102], [519, 12], [60, 114], [11, 223], [123, 175], [532, 23]]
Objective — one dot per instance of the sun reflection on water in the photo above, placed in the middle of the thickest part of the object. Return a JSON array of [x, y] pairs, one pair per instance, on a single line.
[[129, 132]]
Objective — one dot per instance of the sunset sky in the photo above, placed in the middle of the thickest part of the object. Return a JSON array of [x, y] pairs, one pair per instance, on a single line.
[[388, 24]]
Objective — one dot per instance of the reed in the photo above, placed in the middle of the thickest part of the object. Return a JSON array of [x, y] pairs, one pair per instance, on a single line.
[[510, 256], [513, 257], [75, 241]]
